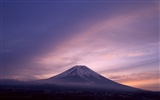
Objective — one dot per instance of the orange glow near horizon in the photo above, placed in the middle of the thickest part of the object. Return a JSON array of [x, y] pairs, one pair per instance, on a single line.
[[144, 84]]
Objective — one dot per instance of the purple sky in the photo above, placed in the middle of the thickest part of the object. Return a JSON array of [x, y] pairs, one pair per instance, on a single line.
[[118, 39]]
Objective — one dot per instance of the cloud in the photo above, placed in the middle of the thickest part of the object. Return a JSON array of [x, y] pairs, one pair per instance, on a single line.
[[144, 80], [133, 66], [136, 76]]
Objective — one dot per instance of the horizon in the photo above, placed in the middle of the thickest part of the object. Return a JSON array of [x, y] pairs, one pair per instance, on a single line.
[[71, 68], [117, 39]]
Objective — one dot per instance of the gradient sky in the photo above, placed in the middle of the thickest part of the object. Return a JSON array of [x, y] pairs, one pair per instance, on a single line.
[[117, 38]]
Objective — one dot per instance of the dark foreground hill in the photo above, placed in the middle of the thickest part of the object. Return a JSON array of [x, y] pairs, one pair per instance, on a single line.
[[47, 92]]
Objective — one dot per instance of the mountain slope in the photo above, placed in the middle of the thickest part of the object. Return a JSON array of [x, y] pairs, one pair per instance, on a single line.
[[79, 74], [82, 76]]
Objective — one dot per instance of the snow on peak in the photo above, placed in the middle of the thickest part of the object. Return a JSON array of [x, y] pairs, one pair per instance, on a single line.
[[80, 66], [81, 71]]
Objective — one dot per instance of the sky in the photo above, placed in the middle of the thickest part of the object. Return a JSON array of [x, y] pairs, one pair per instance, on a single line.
[[118, 39]]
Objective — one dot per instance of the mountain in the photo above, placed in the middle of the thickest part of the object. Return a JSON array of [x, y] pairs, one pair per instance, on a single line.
[[83, 77], [77, 83]]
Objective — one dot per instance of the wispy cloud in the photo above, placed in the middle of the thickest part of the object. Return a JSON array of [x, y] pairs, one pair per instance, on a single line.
[[139, 80]]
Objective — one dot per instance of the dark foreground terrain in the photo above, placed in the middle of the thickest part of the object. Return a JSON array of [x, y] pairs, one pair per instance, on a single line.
[[62, 93]]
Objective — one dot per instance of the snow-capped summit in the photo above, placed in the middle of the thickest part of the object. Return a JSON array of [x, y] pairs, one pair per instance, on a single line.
[[79, 71], [79, 74]]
